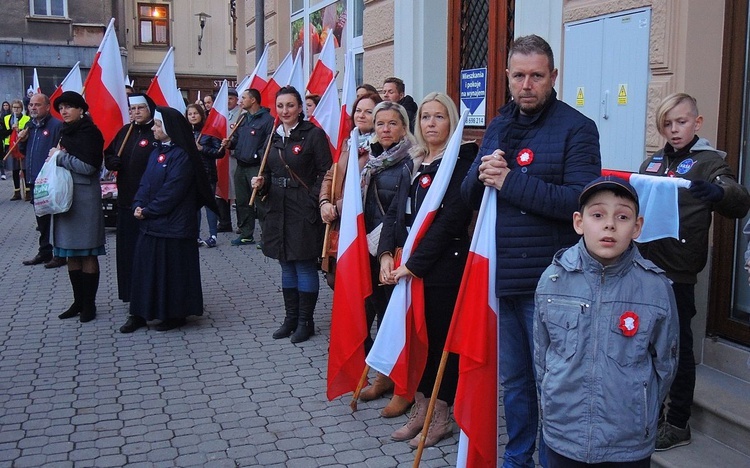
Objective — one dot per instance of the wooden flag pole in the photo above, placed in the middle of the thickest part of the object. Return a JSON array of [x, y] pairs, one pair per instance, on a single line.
[[430, 408], [127, 135], [262, 167], [355, 397], [326, 238]]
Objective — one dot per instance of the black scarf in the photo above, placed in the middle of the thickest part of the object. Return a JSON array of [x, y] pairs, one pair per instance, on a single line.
[[83, 140]]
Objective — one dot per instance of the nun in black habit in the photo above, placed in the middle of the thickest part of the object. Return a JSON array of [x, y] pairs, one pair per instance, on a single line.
[[166, 282], [128, 155]]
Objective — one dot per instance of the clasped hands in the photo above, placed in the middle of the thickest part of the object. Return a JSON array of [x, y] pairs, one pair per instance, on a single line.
[[387, 274], [494, 169]]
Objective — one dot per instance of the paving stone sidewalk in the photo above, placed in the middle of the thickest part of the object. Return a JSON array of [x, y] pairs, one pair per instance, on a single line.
[[217, 392]]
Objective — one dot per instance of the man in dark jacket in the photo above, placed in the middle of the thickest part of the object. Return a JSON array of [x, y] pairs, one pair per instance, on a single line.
[[538, 154], [248, 145], [40, 135], [394, 90]]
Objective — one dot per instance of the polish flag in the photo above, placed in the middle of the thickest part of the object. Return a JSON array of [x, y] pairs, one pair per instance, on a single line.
[[163, 88], [297, 77], [657, 197], [400, 349], [243, 85], [72, 82], [280, 78], [348, 96], [326, 115], [259, 78], [37, 87], [105, 92], [473, 336], [323, 71], [346, 353], [217, 126]]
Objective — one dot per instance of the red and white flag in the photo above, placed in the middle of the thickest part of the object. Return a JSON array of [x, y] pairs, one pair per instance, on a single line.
[[105, 92], [400, 349], [280, 78], [37, 87], [324, 68], [217, 125], [259, 77], [346, 353], [473, 336], [163, 88], [657, 197], [71, 82], [297, 77], [326, 115], [348, 96]]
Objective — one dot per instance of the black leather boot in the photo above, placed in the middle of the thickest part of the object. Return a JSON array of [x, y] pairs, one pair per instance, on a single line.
[[90, 286], [305, 325], [291, 305], [77, 284]]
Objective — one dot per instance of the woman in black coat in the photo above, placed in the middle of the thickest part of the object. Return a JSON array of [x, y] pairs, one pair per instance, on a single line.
[[438, 259], [292, 229], [210, 150], [166, 270]]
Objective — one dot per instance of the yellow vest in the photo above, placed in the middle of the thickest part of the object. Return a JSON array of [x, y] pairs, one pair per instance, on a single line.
[[21, 124]]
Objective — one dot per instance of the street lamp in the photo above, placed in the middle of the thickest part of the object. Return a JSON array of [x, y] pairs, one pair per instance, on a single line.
[[202, 19]]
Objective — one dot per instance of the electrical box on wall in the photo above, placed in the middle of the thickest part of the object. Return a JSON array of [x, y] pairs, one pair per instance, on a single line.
[[605, 76]]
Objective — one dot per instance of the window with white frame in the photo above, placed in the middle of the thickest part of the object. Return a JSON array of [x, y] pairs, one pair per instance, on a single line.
[[313, 20], [153, 24], [49, 8]]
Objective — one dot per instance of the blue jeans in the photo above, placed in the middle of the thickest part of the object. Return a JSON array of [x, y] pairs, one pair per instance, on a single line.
[[300, 274], [516, 336], [211, 217]]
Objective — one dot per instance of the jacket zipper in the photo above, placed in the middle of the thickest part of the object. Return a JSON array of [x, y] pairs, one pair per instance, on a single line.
[[645, 409]]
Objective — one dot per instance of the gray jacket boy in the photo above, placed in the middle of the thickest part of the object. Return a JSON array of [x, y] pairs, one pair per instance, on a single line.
[[605, 350]]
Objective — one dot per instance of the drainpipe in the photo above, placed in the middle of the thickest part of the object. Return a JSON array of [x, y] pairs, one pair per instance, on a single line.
[[260, 29]]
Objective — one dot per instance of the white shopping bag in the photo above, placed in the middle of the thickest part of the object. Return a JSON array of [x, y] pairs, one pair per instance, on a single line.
[[53, 188]]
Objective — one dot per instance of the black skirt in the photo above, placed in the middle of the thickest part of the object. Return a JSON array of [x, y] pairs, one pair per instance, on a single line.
[[128, 229], [166, 281]]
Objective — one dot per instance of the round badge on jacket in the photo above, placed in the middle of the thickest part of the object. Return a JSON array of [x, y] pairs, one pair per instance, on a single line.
[[425, 181], [45, 132], [161, 158], [297, 149], [629, 323], [143, 143], [525, 157], [685, 166]]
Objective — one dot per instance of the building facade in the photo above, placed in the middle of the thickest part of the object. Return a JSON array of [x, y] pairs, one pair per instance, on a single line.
[[202, 32], [50, 36]]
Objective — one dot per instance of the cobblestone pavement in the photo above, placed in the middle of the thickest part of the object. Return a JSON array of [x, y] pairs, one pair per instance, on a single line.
[[217, 392]]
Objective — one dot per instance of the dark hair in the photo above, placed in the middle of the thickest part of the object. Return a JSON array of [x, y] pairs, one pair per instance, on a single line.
[[374, 97], [398, 82], [313, 97], [200, 110], [254, 93], [293, 91], [532, 44], [370, 88]]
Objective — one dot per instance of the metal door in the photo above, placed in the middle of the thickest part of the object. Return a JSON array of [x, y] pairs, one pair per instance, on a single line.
[[606, 73]]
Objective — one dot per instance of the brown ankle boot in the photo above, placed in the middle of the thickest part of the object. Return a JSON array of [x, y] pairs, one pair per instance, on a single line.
[[382, 385], [396, 407], [416, 420], [440, 426]]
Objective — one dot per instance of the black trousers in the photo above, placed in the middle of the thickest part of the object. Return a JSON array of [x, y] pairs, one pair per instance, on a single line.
[[555, 460], [225, 214], [683, 387]]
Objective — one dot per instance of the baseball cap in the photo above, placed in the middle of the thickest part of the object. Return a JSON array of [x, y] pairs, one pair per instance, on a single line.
[[615, 184]]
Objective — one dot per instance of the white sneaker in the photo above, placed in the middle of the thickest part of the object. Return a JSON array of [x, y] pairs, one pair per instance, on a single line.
[[2, 177]]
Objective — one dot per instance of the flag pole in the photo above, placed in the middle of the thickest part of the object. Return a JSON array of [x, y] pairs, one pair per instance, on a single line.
[[355, 397], [430, 408], [262, 166], [327, 235], [125, 140], [236, 126]]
